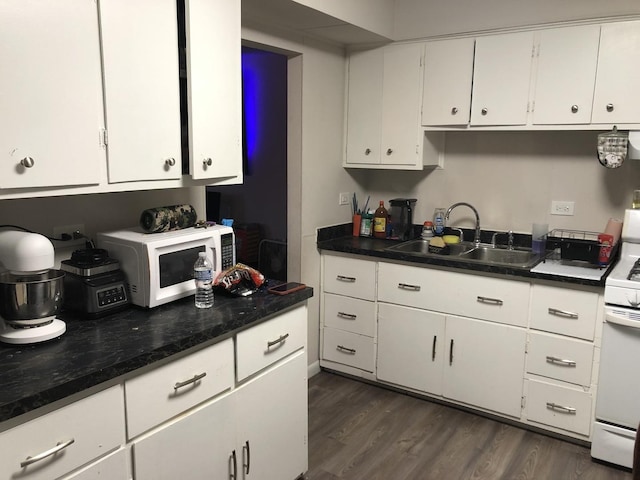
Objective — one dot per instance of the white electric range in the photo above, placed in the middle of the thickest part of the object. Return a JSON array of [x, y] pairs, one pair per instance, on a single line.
[[618, 398]]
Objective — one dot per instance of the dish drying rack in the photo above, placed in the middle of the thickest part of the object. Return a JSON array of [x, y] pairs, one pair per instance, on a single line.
[[578, 246]]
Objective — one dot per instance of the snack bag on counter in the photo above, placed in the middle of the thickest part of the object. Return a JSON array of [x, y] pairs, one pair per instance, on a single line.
[[239, 280]]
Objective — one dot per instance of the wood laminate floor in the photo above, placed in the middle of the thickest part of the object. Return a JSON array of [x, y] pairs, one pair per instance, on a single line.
[[359, 431]]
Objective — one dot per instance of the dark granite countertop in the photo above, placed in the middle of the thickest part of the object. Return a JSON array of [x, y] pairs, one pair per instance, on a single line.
[[340, 239], [95, 351]]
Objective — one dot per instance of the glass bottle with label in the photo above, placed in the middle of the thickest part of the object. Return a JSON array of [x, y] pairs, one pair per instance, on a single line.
[[380, 218]]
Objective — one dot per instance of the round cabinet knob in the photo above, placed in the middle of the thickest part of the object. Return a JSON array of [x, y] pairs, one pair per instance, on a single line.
[[207, 162], [170, 162], [367, 151], [484, 111], [389, 151], [609, 107], [27, 162], [574, 108], [454, 110]]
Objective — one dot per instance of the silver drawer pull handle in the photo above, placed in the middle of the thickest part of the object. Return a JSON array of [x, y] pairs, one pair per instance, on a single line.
[[560, 361], [279, 341], [342, 278], [562, 313], [352, 351], [190, 381], [406, 286], [52, 451], [492, 301], [561, 408], [349, 316]]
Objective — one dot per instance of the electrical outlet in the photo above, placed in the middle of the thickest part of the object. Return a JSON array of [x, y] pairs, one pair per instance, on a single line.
[[345, 198], [74, 233], [562, 208]]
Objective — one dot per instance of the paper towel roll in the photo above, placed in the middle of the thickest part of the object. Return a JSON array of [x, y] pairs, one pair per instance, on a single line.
[[614, 228], [164, 219]]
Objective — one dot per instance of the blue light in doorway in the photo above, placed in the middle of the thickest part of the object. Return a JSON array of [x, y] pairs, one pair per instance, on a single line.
[[250, 112]]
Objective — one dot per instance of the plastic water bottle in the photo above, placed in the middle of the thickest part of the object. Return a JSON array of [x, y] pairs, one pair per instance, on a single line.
[[439, 221], [203, 275]]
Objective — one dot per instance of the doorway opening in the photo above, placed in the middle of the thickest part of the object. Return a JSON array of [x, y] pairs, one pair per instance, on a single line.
[[258, 207]]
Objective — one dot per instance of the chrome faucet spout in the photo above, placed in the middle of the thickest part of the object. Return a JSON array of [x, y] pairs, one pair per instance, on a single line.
[[476, 237]]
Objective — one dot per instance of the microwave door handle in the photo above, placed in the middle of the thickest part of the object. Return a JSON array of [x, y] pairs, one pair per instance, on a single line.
[[214, 259], [618, 320]]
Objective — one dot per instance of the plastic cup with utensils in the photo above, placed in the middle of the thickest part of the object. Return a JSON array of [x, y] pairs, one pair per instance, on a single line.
[[539, 238]]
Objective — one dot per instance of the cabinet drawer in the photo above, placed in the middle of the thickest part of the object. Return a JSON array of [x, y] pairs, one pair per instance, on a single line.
[[564, 311], [486, 298], [114, 466], [350, 314], [268, 342], [90, 427], [350, 276], [349, 349], [560, 407], [562, 358], [173, 388]]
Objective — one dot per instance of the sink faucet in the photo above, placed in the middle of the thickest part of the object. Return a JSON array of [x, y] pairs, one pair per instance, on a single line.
[[476, 237], [509, 238]]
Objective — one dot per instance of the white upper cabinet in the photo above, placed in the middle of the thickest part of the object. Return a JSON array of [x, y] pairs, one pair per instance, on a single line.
[[567, 61], [402, 84], [142, 91], [364, 108], [214, 88], [501, 78], [448, 76], [51, 94], [616, 98], [383, 108]]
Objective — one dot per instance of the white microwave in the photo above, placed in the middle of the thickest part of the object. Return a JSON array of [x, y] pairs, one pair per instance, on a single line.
[[159, 266]]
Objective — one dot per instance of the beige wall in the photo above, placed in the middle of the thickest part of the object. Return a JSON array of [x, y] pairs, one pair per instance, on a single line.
[[511, 178], [98, 212], [421, 19]]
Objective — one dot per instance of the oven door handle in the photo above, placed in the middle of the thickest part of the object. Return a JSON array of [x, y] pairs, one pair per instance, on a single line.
[[618, 320]]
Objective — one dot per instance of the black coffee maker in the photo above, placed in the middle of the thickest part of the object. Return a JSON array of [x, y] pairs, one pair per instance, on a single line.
[[401, 213]]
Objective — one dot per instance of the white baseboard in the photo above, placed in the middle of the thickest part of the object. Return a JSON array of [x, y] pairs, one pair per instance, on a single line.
[[313, 369]]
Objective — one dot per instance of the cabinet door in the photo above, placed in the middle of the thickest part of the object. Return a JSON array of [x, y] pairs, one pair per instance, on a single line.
[[501, 77], [364, 107], [484, 365], [198, 445], [616, 98], [448, 73], [401, 92], [115, 466], [51, 94], [567, 59], [272, 422], [214, 88], [142, 91], [411, 346]]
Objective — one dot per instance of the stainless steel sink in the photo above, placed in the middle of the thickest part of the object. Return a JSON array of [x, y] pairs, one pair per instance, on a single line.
[[469, 252], [489, 254]]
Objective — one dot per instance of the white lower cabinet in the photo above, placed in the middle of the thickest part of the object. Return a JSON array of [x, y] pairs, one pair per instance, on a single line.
[[471, 361], [411, 345], [564, 407], [115, 466], [257, 431], [188, 418], [60, 442]]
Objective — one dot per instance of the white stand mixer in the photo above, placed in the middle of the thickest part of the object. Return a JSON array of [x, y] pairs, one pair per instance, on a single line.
[[30, 290]]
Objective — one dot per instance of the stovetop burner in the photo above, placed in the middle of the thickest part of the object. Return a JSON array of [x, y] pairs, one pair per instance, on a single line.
[[90, 262]]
